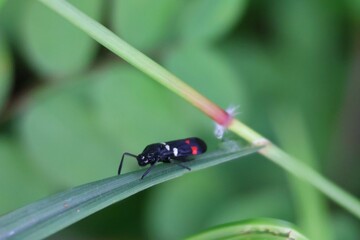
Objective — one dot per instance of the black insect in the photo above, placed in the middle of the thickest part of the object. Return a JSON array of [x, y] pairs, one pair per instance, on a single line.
[[168, 152]]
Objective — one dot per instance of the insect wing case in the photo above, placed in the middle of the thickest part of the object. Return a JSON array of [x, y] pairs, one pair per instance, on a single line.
[[188, 147]]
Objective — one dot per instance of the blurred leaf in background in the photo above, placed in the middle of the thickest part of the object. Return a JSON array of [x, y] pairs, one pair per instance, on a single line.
[[353, 6], [59, 132], [205, 21], [1, 3], [183, 203], [20, 183], [52, 45], [145, 24], [263, 56], [5, 70], [12, 23]]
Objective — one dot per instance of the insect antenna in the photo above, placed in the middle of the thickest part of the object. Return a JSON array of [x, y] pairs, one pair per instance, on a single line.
[[122, 159]]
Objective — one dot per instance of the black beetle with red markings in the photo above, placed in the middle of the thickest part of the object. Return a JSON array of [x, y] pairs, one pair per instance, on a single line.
[[168, 152]]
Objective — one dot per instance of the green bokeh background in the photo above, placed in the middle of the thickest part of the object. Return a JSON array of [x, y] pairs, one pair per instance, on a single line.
[[69, 109]]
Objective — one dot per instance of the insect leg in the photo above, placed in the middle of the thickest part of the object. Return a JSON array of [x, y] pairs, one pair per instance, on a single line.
[[179, 164], [122, 159], [148, 170]]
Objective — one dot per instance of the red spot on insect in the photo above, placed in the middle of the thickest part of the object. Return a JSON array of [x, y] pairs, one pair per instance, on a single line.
[[187, 141], [194, 150]]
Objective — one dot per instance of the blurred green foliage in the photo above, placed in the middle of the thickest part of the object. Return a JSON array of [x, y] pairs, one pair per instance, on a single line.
[[272, 58], [5, 70], [128, 18], [46, 46]]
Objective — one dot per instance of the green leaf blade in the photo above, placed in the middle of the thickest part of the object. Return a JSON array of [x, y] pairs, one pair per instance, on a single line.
[[47, 216], [251, 229]]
